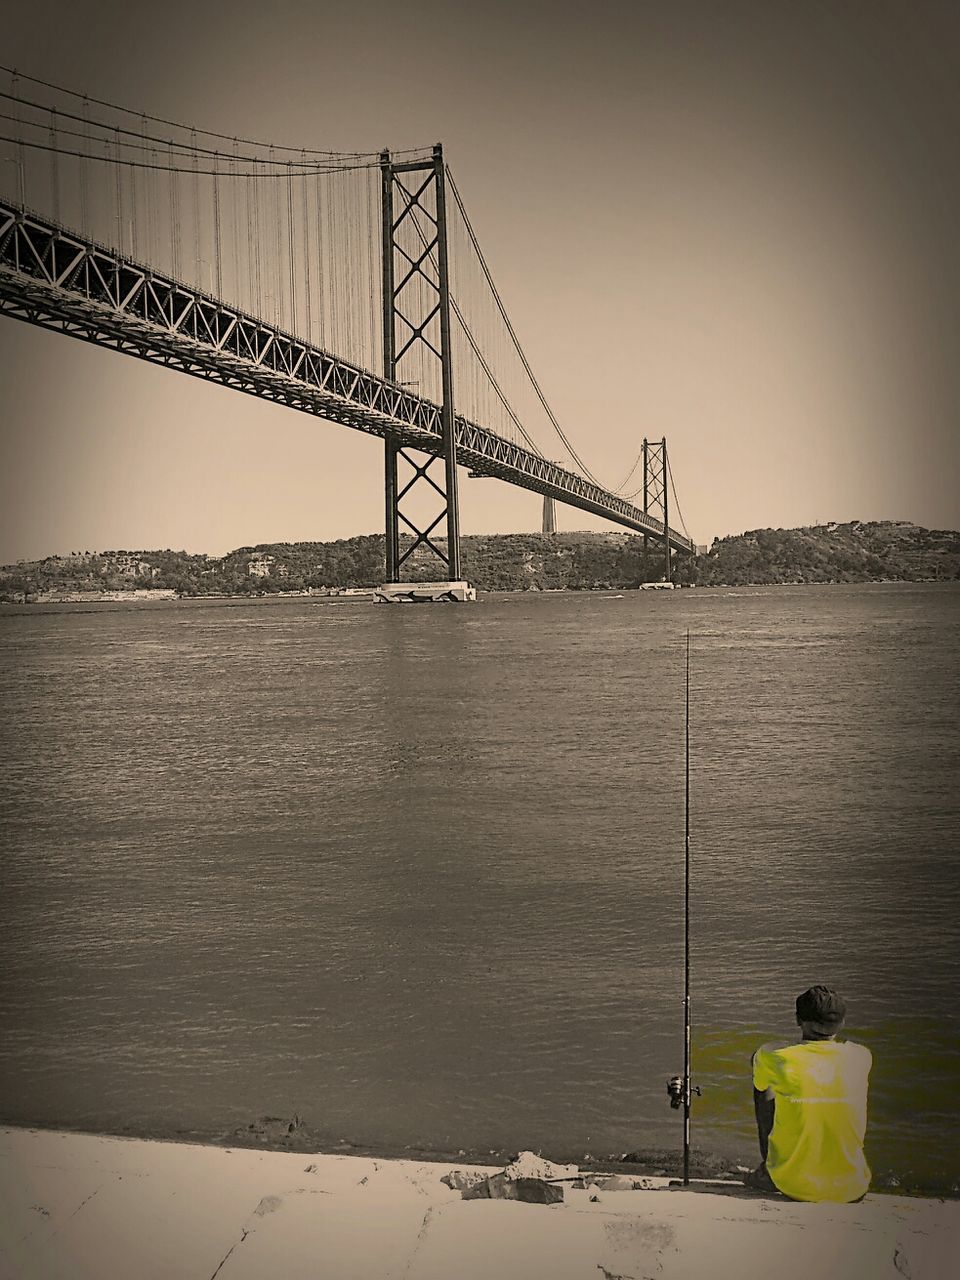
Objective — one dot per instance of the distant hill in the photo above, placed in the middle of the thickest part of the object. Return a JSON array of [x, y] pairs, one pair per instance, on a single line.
[[874, 551], [879, 551]]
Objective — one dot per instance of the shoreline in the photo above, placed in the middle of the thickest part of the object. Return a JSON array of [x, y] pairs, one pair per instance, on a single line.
[[289, 1136], [280, 1135], [363, 595]]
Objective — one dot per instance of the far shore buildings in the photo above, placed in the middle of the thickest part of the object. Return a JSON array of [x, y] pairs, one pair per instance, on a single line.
[[260, 566], [264, 566]]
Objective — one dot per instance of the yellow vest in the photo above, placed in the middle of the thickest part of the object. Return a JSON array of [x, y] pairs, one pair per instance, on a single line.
[[816, 1146]]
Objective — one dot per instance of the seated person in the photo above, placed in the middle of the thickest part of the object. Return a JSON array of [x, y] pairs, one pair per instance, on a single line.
[[811, 1104]]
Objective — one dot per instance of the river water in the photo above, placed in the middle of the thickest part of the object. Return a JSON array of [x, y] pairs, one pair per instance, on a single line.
[[416, 874]]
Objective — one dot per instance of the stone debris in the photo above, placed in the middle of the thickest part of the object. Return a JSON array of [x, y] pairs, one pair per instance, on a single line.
[[461, 1179], [613, 1182], [528, 1190], [528, 1165], [528, 1177]]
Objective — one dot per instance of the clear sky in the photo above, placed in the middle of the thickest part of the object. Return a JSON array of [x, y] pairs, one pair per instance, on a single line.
[[731, 223]]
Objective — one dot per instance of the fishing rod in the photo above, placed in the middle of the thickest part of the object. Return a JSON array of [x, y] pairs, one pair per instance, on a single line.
[[679, 1088], [686, 919]]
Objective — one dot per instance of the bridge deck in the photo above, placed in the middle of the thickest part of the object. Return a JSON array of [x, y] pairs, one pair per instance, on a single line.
[[51, 277]]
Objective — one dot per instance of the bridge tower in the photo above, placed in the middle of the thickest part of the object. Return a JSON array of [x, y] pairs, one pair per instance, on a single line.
[[655, 486], [416, 329], [549, 515]]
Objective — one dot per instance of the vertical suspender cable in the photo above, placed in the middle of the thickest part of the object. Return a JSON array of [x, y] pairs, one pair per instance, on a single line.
[[174, 215], [353, 267], [372, 246], [255, 244], [238, 295], [333, 251], [150, 184], [217, 265], [307, 300], [365, 284], [54, 165], [358, 217], [355, 280], [107, 197], [21, 183], [344, 228], [347, 220], [252, 255], [343, 262], [119, 170], [275, 211], [134, 239], [370, 291], [83, 171], [322, 275], [197, 251], [291, 253]]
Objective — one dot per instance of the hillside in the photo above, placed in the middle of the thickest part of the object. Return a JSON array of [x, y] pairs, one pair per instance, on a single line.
[[877, 551], [853, 552]]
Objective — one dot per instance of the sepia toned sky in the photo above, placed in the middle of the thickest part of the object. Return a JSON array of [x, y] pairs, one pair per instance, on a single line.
[[730, 223]]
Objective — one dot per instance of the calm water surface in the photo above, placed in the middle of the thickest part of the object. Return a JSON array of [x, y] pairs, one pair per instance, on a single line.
[[416, 874]]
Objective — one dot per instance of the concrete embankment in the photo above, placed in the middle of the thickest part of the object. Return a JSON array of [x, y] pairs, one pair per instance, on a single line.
[[96, 1208]]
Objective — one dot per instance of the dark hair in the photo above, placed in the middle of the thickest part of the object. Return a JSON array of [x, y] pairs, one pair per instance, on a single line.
[[821, 1004]]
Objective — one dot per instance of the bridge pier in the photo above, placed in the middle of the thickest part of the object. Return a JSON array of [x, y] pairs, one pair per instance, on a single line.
[[424, 593]]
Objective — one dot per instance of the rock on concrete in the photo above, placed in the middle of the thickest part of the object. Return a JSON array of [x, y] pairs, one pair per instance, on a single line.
[[502, 1187]]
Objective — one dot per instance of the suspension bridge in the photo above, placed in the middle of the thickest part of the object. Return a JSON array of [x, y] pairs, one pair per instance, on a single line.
[[293, 274]]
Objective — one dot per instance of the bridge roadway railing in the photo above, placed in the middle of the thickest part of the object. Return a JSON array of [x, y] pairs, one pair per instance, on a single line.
[[51, 277]]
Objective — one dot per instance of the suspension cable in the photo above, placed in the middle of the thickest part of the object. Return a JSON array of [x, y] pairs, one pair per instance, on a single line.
[[513, 336], [626, 480], [493, 381], [475, 346], [279, 172], [185, 148], [676, 501], [175, 124]]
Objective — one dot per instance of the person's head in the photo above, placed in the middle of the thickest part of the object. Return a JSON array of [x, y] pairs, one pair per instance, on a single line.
[[820, 1013]]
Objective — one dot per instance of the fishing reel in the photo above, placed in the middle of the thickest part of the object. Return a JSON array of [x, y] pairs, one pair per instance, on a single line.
[[675, 1091]]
